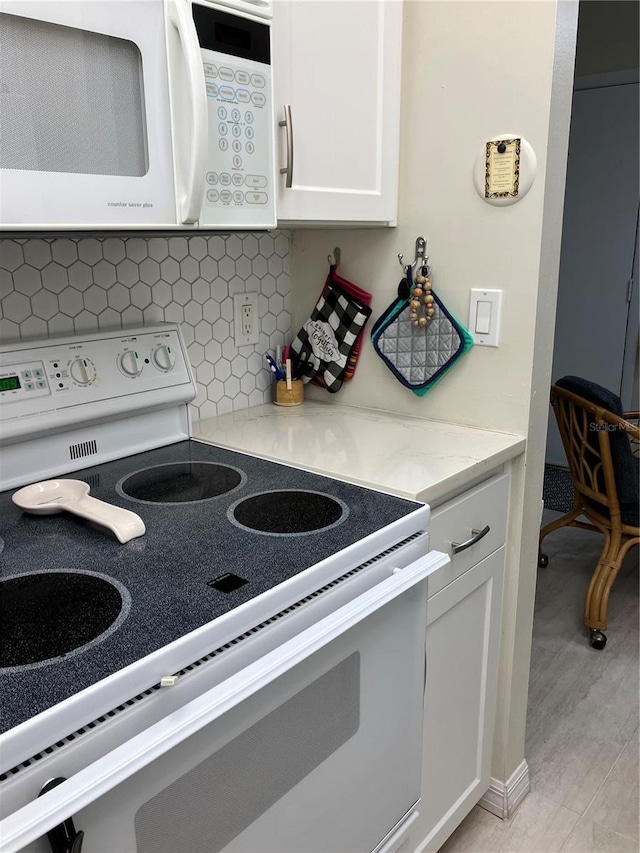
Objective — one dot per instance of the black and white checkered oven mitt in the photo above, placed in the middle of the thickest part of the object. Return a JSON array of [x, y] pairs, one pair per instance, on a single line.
[[324, 343]]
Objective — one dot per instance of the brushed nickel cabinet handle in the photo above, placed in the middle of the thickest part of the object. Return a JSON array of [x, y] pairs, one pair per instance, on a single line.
[[456, 547], [286, 123]]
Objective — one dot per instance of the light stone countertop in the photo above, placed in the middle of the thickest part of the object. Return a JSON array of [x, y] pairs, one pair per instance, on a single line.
[[410, 457]]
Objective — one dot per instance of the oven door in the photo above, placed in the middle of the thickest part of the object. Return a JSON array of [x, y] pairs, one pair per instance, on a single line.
[[85, 129], [315, 746]]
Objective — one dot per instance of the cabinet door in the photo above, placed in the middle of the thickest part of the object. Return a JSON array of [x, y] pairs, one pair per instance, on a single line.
[[337, 65], [463, 638]]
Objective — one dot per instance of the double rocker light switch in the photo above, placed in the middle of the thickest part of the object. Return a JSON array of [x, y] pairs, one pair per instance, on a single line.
[[484, 316]]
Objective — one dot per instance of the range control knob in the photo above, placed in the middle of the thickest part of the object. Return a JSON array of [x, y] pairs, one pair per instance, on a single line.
[[163, 357], [82, 371], [130, 363]]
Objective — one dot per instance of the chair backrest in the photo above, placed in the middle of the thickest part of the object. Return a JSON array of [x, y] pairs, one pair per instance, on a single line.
[[585, 429]]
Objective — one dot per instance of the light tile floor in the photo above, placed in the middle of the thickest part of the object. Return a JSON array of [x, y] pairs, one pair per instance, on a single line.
[[582, 726]]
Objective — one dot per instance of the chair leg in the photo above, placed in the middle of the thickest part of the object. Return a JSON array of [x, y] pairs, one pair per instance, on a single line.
[[563, 521], [597, 599]]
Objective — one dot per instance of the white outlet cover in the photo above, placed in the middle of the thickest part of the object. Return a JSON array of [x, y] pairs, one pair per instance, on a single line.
[[240, 300]]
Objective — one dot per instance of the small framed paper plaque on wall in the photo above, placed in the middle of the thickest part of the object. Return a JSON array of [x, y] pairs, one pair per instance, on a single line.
[[502, 171], [505, 169]]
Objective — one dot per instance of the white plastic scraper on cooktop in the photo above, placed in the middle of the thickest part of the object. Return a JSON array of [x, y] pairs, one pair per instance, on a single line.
[[51, 496]]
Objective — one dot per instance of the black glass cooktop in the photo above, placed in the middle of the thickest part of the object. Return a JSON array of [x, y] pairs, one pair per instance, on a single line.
[[221, 529]]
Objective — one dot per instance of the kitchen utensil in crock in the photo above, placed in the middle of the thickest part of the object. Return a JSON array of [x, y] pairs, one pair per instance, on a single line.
[[51, 496]]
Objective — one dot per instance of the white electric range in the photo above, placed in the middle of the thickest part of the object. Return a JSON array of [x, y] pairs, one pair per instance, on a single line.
[[247, 674]]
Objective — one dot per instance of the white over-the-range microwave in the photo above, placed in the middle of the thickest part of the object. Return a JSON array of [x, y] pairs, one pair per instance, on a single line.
[[136, 114]]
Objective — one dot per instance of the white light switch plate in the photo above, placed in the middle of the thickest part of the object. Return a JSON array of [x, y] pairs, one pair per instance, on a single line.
[[484, 316], [246, 323]]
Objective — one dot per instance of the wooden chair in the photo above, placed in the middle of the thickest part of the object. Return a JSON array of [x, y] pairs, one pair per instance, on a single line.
[[601, 445]]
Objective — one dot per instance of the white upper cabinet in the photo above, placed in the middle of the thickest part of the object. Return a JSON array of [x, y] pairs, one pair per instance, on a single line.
[[337, 67]]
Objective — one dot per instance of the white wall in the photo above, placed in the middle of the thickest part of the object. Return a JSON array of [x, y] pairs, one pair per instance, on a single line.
[[472, 70], [514, 675], [468, 74]]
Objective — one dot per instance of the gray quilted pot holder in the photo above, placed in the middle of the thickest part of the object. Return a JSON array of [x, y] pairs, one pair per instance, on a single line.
[[419, 356]]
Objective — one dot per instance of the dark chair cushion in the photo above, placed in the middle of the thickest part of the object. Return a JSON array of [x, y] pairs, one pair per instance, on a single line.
[[631, 512], [625, 465]]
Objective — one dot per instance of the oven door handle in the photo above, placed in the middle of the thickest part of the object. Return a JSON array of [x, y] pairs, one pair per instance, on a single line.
[[57, 805]]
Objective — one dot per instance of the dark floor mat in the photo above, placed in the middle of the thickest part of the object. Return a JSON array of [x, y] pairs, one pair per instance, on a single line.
[[557, 490]]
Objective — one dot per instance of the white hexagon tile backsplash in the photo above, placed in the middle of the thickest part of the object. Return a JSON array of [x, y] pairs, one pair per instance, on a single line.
[[59, 286]]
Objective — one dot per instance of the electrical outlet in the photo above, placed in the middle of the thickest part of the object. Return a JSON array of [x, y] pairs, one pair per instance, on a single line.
[[245, 319]]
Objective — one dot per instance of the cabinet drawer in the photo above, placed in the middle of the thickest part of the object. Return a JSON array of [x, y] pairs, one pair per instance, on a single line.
[[483, 505]]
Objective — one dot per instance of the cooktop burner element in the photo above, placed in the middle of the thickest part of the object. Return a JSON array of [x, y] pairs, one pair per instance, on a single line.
[[288, 513], [52, 614], [183, 482]]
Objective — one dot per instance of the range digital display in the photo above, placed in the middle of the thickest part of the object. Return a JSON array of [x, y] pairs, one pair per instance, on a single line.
[[9, 383]]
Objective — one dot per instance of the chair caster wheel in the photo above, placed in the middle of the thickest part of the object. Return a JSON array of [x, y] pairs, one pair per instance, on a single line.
[[543, 561], [597, 639]]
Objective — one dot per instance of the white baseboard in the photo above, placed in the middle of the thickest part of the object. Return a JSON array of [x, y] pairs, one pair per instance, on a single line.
[[503, 798]]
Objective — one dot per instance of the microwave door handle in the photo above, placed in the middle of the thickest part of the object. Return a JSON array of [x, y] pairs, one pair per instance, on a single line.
[[87, 785], [191, 197]]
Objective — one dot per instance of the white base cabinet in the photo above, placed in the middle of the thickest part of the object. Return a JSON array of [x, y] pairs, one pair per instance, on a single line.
[[337, 66], [463, 617], [462, 656]]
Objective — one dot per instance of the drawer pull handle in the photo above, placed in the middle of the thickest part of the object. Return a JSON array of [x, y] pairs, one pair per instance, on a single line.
[[456, 547]]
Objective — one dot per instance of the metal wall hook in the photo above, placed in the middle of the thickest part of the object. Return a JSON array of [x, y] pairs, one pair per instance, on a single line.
[[334, 259], [421, 253], [421, 258]]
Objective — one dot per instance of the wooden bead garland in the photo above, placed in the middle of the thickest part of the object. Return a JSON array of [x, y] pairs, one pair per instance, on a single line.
[[421, 297]]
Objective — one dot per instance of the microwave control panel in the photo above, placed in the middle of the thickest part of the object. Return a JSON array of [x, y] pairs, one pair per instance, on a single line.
[[240, 170]]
